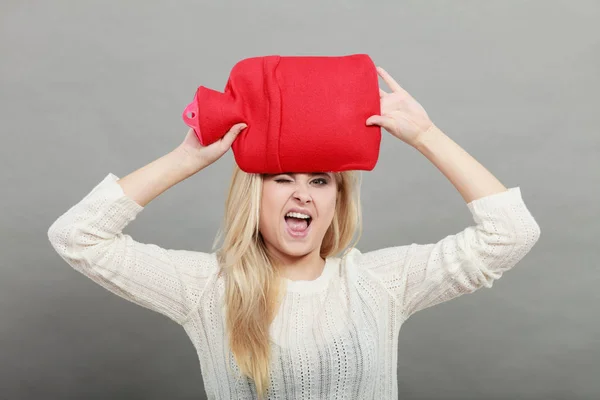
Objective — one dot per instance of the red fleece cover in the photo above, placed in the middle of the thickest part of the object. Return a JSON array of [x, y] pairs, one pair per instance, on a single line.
[[304, 113]]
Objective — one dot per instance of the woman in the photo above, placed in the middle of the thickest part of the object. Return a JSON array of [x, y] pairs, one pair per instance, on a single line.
[[276, 311]]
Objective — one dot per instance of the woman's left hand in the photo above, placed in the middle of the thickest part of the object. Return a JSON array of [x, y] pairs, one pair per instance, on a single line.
[[401, 115]]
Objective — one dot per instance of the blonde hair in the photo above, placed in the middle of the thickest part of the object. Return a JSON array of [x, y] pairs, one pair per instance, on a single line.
[[253, 286]]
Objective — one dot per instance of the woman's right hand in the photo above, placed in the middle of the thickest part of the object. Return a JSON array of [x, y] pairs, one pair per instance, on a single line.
[[197, 157]]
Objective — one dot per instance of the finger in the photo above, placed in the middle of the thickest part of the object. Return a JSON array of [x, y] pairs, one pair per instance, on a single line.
[[382, 93], [379, 120], [230, 136], [389, 80], [239, 127]]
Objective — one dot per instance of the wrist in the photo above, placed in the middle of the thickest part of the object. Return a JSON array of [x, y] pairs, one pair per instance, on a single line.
[[185, 161], [427, 139]]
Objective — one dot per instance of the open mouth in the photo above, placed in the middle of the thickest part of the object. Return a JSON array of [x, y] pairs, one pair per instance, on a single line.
[[298, 224]]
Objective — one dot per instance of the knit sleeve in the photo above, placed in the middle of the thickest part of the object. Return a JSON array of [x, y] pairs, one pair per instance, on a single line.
[[423, 275], [89, 238]]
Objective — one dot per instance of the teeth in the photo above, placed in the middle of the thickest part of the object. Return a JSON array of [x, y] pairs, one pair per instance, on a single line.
[[297, 215]]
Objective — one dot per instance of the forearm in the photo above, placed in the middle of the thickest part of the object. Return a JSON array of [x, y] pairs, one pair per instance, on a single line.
[[148, 182], [469, 177]]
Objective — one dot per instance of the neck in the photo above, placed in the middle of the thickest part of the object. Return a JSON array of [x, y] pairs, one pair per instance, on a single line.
[[307, 267]]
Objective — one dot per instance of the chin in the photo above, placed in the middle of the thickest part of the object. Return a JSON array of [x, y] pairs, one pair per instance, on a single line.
[[296, 249]]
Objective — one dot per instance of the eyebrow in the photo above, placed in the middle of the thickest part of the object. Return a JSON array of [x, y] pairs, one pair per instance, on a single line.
[[312, 174]]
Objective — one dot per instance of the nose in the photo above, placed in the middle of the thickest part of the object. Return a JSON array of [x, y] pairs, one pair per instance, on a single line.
[[302, 194]]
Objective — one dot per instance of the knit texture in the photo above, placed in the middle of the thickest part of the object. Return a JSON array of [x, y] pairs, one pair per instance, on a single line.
[[335, 337]]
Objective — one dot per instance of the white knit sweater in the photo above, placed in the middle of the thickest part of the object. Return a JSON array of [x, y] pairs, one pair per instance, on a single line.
[[335, 337]]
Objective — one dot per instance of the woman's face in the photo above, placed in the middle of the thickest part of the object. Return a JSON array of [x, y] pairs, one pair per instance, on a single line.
[[312, 194]]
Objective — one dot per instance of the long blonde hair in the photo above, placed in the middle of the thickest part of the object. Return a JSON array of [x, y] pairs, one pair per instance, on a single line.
[[253, 286]]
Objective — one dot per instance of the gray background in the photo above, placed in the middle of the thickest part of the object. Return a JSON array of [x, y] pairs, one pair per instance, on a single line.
[[91, 87]]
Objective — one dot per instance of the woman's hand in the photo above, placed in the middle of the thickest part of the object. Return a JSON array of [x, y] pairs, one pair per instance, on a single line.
[[196, 157], [401, 115]]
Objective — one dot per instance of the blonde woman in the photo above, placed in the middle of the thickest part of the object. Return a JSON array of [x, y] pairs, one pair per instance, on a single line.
[[287, 307]]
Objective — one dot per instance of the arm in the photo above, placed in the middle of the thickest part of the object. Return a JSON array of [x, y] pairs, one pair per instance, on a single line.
[[148, 182], [407, 120], [472, 180], [419, 276], [422, 275], [89, 238], [189, 158]]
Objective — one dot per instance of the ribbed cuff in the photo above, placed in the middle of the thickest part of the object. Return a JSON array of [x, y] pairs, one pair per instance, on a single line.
[[502, 199], [122, 209]]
